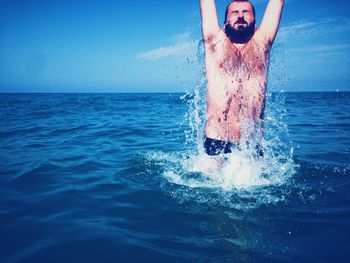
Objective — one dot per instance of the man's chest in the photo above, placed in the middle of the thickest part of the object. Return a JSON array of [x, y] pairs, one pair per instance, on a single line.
[[249, 60]]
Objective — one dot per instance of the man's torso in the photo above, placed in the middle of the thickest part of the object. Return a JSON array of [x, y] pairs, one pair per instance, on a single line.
[[236, 84]]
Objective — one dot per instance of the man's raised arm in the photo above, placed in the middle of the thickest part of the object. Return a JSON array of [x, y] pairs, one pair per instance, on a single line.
[[210, 22], [271, 20]]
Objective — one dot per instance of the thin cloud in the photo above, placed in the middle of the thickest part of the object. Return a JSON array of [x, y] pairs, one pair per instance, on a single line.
[[333, 54], [183, 46], [179, 50], [321, 48], [309, 28]]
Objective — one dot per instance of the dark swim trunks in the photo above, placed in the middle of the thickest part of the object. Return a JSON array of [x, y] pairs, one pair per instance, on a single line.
[[216, 147]]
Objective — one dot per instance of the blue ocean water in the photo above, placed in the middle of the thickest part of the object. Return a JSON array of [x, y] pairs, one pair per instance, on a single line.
[[110, 178]]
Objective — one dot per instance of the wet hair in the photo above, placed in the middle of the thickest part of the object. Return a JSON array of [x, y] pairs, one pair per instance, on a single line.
[[226, 12]]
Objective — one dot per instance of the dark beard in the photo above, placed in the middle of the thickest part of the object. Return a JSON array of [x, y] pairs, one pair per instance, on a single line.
[[242, 35]]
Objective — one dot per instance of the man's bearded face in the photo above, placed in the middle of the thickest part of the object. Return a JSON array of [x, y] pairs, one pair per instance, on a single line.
[[240, 22], [241, 31]]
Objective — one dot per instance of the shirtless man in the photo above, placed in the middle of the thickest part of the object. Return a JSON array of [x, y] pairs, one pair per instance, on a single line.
[[236, 61]]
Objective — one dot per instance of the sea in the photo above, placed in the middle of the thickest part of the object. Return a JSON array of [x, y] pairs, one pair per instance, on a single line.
[[123, 178]]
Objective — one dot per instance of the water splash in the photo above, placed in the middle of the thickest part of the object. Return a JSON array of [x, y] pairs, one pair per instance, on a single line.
[[240, 184], [196, 100], [228, 179]]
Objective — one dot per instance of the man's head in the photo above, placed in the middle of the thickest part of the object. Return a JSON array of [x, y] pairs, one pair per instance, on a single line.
[[240, 21]]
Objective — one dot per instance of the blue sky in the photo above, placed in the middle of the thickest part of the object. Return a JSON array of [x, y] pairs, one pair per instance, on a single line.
[[151, 46]]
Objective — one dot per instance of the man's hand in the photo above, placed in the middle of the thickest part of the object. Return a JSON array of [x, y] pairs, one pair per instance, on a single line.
[[210, 23], [271, 20]]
